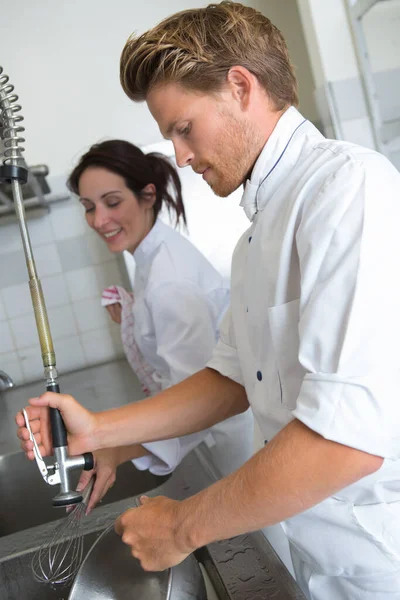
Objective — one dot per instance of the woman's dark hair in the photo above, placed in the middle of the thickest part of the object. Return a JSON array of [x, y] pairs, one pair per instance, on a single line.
[[138, 170]]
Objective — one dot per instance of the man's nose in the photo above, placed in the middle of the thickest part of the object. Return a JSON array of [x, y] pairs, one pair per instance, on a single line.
[[184, 156]]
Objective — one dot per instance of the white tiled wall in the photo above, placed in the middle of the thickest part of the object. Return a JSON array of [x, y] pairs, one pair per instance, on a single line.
[[74, 266]]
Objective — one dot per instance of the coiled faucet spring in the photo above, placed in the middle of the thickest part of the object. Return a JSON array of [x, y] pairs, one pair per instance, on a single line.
[[9, 119]]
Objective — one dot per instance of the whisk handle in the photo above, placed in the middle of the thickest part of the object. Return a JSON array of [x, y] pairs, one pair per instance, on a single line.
[[58, 430]]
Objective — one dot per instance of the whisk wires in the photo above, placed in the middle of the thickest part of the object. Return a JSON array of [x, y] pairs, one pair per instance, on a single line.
[[58, 560]]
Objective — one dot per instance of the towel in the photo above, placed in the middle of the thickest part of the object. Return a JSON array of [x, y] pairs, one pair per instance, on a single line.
[[145, 373]]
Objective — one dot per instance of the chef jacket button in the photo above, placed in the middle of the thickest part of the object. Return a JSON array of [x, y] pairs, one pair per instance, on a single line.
[[259, 375], [250, 239]]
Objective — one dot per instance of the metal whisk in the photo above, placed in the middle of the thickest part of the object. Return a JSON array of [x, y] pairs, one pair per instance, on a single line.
[[58, 560]]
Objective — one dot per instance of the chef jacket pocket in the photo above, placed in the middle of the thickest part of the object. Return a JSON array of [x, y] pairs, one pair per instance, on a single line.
[[380, 524], [284, 327]]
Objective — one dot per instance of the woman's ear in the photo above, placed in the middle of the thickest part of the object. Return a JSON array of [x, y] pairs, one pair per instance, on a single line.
[[148, 194]]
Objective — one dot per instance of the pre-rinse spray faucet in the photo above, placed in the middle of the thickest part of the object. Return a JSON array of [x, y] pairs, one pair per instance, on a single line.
[[14, 171]]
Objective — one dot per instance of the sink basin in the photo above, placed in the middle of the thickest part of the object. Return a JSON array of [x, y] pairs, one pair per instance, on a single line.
[[17, 581], [26, 500]]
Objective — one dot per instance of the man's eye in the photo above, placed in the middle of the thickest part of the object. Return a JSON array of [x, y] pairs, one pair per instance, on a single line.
[[113, 204], [186, 130], [88, 210]]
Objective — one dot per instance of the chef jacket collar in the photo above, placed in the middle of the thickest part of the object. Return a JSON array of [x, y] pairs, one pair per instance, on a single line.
[[151, 242], [273, 152]]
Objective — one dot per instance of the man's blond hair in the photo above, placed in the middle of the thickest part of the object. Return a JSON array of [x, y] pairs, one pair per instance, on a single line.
[[196, 48]]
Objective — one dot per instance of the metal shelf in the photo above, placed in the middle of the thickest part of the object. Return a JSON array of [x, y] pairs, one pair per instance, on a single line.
[[360, 7], [7, 207], [36, 192], [386, 134]]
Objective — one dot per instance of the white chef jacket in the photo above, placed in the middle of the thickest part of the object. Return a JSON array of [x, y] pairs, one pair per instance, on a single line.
[[180, 300], [313, 332]]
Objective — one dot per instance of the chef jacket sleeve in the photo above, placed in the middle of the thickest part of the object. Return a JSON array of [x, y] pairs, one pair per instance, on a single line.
[[225, 357], [165, 455], [349, 322]]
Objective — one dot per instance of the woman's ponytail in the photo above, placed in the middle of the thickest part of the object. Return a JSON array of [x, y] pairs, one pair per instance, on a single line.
[[168, 187]]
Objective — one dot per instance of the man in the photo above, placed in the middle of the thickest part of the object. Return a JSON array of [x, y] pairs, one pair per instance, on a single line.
[[311, 338]]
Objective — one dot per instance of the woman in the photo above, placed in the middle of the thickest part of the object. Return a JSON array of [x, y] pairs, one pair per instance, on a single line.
[[179, 298]]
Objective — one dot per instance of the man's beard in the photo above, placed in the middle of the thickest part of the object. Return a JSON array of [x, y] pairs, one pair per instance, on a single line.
[[233, 166]]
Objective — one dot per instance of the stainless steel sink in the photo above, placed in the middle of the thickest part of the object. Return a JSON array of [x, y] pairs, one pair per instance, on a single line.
[[18, 583], [25, 499]]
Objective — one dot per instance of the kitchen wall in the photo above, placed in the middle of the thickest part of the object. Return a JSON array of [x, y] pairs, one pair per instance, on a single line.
[[62, 58], [286, 16], [74, 267]]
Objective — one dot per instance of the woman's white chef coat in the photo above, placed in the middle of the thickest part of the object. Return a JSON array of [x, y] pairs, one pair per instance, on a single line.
[[313, 333], [180, 300]]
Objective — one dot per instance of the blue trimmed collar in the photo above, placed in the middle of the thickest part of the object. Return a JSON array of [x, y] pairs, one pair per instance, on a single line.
[[271, 155]]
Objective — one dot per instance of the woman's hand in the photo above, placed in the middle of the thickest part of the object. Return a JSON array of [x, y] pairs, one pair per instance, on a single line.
[[115, 311], [106, 462], [79, 422]]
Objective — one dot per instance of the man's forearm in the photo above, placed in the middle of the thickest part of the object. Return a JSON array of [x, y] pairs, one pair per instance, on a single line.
[[295, 471], [194, 404]]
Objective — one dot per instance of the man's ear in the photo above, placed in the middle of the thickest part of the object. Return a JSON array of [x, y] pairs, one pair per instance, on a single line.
[[241, 84]]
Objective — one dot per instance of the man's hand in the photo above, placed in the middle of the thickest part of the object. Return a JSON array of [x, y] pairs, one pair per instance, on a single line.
[[79, 422], [153, 531]]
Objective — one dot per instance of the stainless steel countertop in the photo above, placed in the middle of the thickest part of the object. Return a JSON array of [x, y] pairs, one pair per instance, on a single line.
[[243, 568]]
